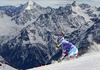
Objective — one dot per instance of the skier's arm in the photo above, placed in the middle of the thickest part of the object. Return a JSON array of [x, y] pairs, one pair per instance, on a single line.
[[58, 45], [62, 42]]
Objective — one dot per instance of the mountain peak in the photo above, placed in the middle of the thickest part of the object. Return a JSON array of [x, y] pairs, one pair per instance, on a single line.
[[74, 3], [30, 5], [30, 2]]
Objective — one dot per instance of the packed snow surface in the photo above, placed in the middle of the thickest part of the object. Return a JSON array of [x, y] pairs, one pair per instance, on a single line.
[[88, 61], [6, 67]]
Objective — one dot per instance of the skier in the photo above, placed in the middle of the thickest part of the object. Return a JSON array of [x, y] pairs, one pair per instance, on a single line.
[[68, 49]]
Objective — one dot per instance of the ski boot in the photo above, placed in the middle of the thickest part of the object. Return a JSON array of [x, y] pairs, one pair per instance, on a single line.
[[60, 59]]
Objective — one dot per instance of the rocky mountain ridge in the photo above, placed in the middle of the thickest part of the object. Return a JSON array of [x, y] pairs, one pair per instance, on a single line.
[[40, 27]]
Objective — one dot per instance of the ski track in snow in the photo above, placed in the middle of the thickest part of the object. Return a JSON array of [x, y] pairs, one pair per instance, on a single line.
[[88, 61], [6, 67]]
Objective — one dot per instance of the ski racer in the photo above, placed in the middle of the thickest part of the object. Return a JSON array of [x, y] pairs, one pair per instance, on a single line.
[[68, 49]]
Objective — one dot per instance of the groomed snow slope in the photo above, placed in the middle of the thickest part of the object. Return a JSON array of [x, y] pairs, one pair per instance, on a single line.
[[86, 62], [89, 61], [6, 67]]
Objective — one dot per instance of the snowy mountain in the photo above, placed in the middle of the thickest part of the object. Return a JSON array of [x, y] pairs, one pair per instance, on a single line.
[[34, 31], [30, 5], [28, 13], [8, 28], [74, 3], [18, 18]]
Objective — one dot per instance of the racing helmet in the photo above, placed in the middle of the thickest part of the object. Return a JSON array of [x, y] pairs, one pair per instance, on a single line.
[[60, 39]]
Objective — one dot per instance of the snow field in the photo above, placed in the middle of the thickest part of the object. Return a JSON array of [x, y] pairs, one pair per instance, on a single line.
[[88, 61]]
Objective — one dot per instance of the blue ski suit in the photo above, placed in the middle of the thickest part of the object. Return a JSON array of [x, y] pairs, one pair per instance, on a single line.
[[68, 49]]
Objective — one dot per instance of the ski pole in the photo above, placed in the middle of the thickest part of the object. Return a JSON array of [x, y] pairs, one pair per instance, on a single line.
[[61, 32]]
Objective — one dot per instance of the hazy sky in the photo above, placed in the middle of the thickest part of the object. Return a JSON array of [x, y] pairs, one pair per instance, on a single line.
[[52, 3]]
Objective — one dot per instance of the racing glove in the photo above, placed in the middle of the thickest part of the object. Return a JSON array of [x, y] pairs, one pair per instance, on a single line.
[[57, 47]]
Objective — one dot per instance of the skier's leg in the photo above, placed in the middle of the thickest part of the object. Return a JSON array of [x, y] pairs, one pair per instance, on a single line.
[[76, 52], [73, 53], [62, 56]]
